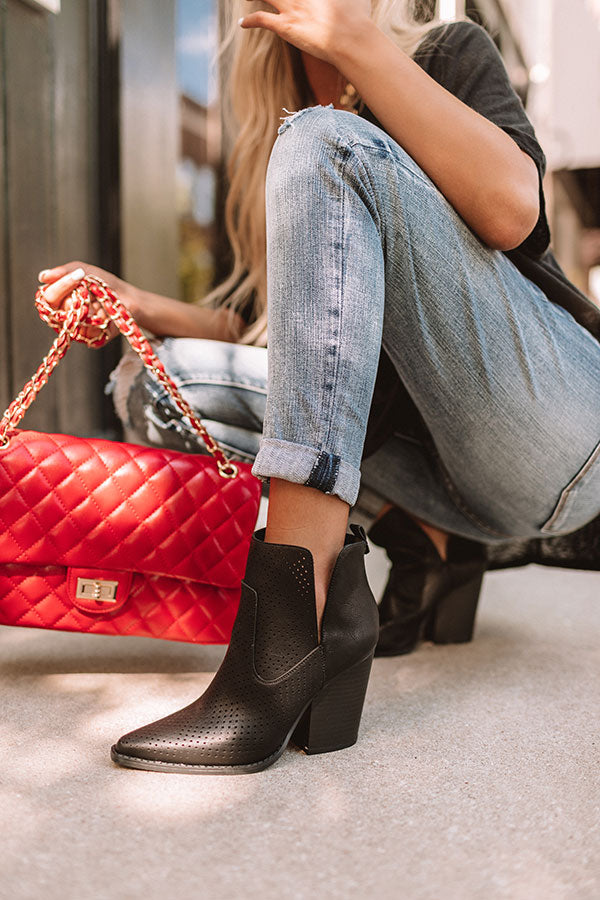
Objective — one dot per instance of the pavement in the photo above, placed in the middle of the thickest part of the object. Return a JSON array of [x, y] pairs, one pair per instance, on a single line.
[[476, 772]]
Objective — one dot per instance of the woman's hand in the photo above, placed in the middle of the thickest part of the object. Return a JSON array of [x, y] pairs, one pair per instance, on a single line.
[[315, 26], [162, 316], [61, 281]]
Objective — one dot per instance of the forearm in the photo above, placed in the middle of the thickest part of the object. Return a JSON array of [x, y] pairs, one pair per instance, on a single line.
[[480, 170], [165, 316]]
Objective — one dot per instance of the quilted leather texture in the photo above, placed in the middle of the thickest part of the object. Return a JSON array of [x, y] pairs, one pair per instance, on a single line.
[[75, 502], [157, 607], [169, 517]]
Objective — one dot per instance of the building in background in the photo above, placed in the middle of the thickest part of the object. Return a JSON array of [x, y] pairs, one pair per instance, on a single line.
[[110, 152]]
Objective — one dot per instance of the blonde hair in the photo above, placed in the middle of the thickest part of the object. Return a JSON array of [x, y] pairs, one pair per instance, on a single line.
[[266, 77]]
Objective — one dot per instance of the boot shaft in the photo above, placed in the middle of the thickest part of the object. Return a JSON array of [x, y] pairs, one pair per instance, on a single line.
[[281, 582]]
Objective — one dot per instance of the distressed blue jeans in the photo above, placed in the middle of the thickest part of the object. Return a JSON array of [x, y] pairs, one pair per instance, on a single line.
[[364, 250]]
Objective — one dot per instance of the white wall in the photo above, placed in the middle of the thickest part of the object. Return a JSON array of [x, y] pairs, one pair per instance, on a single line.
[[563, 37]]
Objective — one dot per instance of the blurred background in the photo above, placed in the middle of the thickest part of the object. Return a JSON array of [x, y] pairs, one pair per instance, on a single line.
[[111, 153]]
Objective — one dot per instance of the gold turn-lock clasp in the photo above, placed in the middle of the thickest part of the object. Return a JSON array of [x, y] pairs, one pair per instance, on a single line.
[[96, 589]]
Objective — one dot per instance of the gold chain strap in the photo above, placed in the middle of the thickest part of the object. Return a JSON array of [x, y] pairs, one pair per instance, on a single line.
[[69, 324]]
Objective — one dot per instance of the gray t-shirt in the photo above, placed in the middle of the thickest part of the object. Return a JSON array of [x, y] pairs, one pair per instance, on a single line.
[[463, 58]]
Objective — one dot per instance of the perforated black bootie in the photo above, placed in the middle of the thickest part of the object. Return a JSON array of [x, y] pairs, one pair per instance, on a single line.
[[276, 682]]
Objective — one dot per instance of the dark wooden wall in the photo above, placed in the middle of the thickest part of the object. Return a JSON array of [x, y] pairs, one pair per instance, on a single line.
[[49, 187], [88, 152]]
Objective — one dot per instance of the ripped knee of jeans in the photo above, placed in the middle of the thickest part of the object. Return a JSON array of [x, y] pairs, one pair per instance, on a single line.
[[291, 117], [120, 383]]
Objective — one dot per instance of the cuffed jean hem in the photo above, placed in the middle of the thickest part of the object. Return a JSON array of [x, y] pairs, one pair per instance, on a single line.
[[305, 465]]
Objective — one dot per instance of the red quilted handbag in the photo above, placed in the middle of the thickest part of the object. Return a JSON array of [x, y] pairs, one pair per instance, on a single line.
[[114, 538]]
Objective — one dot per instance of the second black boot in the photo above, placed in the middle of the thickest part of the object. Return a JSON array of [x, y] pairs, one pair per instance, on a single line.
[[276, 682], [426, 597]]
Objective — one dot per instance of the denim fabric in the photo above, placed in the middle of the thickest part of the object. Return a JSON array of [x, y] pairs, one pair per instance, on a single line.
[[363, 249], [225, 383]]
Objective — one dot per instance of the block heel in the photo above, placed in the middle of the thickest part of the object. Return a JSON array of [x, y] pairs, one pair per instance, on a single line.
[[453, 618], [332, 720]]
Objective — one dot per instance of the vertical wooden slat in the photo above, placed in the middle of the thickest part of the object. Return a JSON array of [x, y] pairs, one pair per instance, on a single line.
[[107, 28], [106, 31], [5, 359], [149, 145], [79, 376], [30, 194]]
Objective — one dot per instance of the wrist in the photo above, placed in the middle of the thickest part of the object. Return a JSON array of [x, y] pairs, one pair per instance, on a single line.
[[140, 305], [353, 49]]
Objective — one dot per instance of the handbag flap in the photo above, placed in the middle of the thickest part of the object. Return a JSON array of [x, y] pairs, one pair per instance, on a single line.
[[93, 503]]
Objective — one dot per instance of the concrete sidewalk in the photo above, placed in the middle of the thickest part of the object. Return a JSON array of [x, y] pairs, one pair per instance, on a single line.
[[476, 774]]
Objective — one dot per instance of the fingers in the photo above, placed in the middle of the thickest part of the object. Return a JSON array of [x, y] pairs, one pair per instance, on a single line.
[[270, 21], [47, 276], [60, 286], [60, 282]]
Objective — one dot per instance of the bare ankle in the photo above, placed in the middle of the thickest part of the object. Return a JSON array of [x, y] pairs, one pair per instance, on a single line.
[[324, 565], [438, 538], [306, 517], [385, 508]]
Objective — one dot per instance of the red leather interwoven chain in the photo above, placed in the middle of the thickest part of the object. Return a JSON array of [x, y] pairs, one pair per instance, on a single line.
[[70, 324]]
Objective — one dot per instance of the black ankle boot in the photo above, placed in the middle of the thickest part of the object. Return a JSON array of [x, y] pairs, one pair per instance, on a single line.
[[426, 598], [276, 682]]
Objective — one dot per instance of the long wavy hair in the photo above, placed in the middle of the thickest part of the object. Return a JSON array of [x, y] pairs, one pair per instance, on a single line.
[[265, 77]]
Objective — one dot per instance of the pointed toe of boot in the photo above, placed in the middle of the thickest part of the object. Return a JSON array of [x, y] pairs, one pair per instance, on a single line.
[[277, 683], [158, 745], [135, 750], [223, 731]]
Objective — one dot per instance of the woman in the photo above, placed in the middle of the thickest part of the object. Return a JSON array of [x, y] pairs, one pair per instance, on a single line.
[[411, 236]]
